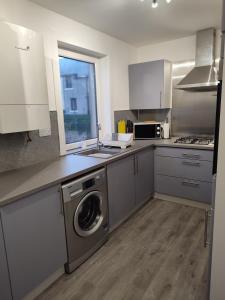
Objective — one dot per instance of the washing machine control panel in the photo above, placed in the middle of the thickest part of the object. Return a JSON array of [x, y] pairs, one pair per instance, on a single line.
[[91, 182], [88, 184]]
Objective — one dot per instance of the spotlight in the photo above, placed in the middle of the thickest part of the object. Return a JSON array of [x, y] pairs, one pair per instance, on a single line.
[[154, 3]]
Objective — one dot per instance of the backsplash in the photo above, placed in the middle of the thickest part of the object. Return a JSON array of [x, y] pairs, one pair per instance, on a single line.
[[16, 152], [193, 113], [158, 115]]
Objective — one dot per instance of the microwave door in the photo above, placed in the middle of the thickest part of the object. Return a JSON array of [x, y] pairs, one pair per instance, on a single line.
[[146, 131]]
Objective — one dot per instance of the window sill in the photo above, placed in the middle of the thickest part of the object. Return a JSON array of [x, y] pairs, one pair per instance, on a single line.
[[80, 149]]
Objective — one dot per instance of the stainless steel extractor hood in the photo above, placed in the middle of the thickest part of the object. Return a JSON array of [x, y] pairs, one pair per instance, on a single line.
[[204, 75]]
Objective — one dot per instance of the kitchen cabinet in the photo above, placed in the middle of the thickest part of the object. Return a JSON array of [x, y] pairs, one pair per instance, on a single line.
[[121, 190], [150, 85], [144, 175], [24, 97], [5, 290], [34, 239], [184, 188], [130, 184], [184, 173]]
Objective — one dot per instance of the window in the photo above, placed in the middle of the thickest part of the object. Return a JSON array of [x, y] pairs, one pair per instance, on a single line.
[[68, 82], [73, 104], [78, 99]]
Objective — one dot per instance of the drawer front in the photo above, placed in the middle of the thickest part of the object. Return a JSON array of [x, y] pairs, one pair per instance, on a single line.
[[184, 188], [184, 168], [185, 153]]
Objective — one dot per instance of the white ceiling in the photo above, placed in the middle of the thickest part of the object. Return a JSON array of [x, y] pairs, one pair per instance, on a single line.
[[136, 23]]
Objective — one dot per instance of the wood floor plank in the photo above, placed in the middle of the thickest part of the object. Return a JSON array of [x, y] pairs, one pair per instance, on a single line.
[[157, 254]]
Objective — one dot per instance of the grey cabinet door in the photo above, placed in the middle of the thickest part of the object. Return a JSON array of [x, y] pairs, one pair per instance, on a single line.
[[184, 168], [35, 239], [5, 290], [146, 85], [144, 180], [121, 190], [184, 188]]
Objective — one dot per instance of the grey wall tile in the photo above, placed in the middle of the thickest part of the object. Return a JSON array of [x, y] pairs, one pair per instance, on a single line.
[[16, 152]]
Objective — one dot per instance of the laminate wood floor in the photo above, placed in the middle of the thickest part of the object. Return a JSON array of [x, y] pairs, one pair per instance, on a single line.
[[158, 254]]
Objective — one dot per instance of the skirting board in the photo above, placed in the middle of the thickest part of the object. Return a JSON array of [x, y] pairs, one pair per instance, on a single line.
[[44, 285], [181, 201]]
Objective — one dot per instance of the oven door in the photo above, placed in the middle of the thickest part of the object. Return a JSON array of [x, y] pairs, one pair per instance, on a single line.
[[145, 131]]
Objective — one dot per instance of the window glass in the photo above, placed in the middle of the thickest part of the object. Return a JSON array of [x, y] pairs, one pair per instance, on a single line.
[[78, 84], [73, 104]]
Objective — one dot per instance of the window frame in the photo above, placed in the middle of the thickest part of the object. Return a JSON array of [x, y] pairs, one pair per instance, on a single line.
[[74, 147]]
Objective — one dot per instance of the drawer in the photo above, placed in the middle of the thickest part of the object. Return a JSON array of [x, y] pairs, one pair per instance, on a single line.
[[184, 188], [185, 168], [185, 153]]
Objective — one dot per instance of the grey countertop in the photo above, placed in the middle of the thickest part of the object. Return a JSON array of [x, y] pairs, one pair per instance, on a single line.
[[22, 182]]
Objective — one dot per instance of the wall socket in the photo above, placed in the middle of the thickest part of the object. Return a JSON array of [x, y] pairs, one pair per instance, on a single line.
[[45, 132]]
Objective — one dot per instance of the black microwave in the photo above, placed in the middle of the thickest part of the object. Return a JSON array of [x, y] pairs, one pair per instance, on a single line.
[[147, 130]]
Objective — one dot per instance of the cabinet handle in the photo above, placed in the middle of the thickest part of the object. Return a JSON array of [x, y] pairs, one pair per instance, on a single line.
[[24, 49], [137, 165], [206, 229], [134, 164], [192, 156], [191, 184], [61, 212], [208, 215], [160, 99], [189, 163]]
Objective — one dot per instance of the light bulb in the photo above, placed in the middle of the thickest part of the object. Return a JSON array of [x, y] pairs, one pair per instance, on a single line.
[[154, 4], [168, 1]]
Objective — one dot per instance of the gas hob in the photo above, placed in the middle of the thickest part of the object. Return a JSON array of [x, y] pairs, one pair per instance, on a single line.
[[197, 140]]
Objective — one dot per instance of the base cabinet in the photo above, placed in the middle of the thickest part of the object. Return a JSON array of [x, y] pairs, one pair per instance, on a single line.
[[35, 239], [184, 173], [130, 184], [144, 176], [5, 290], [121, 190]]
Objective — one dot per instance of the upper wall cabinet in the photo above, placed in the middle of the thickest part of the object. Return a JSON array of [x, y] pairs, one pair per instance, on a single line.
[[150, 85], [23, 85]]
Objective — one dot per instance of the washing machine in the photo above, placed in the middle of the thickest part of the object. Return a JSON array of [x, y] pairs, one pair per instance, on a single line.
[[86, 217]]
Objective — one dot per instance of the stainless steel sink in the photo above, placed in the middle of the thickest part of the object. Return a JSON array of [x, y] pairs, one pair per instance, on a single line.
[[102, 152]]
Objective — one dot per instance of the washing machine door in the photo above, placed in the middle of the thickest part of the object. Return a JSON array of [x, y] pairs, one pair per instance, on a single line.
[[88, 216]]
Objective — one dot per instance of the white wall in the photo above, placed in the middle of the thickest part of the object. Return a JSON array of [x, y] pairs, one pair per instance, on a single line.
[[175, 51], [58, 28], [179, 50]]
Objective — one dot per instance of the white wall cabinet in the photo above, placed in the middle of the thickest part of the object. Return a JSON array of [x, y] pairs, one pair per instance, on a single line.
[[23, 84], [150, 85]]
